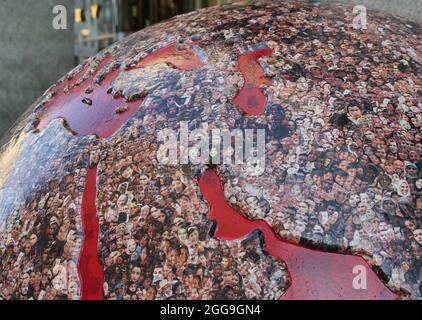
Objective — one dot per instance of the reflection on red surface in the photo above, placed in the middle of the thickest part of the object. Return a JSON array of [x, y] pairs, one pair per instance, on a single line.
[[100, 117], [183, 59], [90, 269], [250, 99], [314, 274]]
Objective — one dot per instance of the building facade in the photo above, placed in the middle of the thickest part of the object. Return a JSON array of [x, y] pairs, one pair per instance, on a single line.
[[33, 54], [98, 23]]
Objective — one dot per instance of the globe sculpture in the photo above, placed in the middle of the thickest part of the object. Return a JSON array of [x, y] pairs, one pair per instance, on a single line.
[[262, 150]]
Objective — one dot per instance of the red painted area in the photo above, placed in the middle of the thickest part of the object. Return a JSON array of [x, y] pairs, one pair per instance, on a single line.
[[250, 99], [100, 118], [91, 273], [100, 114], [182, 59], [314, 274]]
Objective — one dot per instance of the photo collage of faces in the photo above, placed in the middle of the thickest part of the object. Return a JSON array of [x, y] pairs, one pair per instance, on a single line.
[[155, 240], [41, 238], [343, 162]]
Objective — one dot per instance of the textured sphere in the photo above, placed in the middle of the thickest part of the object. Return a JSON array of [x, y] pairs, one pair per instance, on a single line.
[[116, 183]]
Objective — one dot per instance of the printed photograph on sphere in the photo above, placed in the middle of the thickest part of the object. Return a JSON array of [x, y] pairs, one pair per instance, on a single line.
[[237, 151]]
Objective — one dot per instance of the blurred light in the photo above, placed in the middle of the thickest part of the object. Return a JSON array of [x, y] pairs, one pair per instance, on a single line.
[[134, 11], [85, 32], [79, 15], [95, 10]]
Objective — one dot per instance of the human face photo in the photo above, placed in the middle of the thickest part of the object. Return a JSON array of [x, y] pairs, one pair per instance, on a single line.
[[403, 189], [354, 112]]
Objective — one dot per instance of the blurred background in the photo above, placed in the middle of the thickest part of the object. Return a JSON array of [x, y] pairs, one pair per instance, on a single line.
[[33, 55], [115, 19]]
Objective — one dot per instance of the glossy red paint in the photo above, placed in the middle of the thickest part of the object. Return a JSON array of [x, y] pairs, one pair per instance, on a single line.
[[182, 59], [91, 274], [100, 117], [250, 99], [314, 274]]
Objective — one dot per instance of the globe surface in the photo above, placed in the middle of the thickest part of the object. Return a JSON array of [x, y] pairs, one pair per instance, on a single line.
[[108, 191]]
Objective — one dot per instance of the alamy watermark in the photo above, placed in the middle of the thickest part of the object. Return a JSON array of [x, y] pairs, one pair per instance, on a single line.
[[60, 17], [360, 20], [204, 146], [360, 280]]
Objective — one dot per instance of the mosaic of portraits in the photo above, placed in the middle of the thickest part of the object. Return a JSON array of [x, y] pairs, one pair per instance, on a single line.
[[155, 240], [41, 236], [342, 117]]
